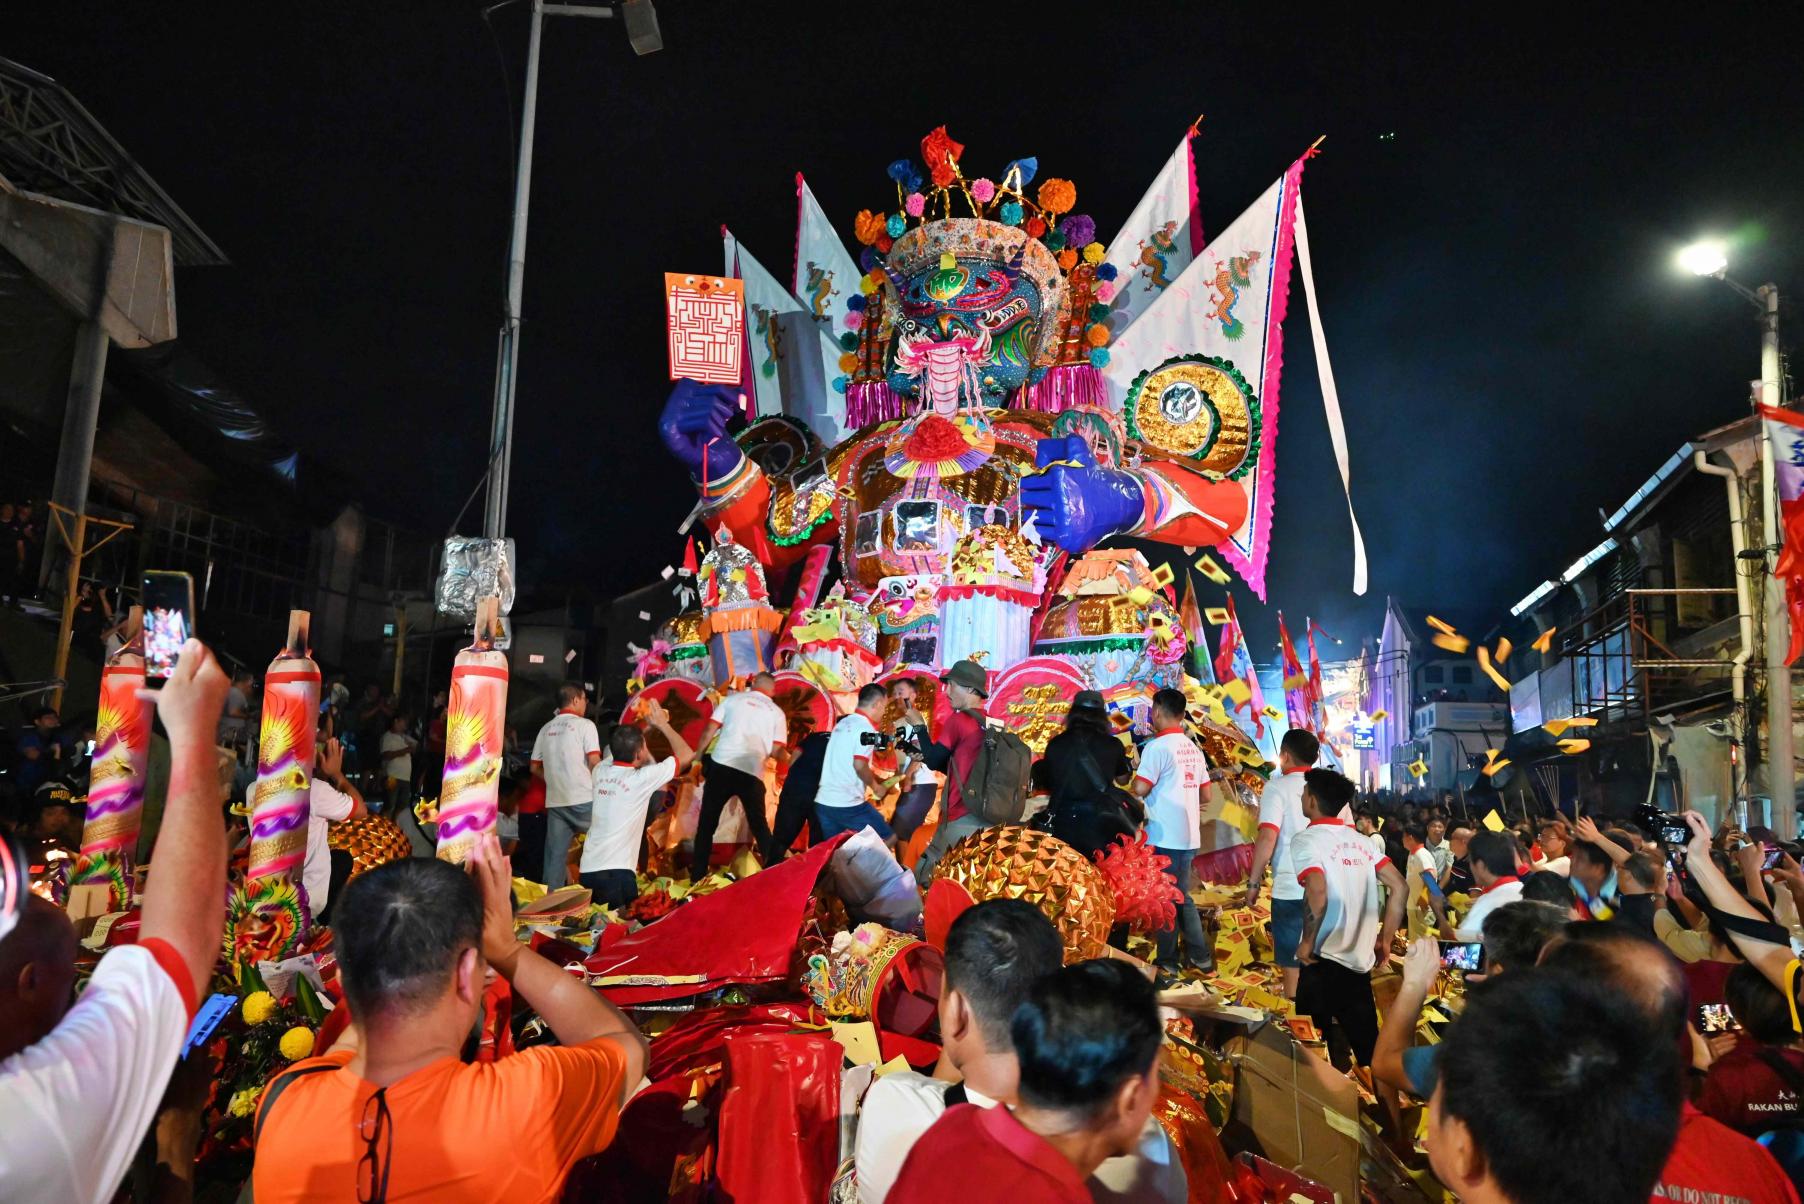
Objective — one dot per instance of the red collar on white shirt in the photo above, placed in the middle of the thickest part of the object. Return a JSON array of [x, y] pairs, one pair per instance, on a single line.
[[1332, 821], [1298, 769], [1166, 731], [1499, 882], [627, 764]]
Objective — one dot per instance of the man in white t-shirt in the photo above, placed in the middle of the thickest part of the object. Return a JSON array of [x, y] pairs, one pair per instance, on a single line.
[[995, 952], [1492, 857], [751, 728], [624, 787], [846, 773], [397, 763], [1426, 908], [1280, 819], [1171, 777], [565, 754], [1344, 932], [80, 1086], [330, 800]]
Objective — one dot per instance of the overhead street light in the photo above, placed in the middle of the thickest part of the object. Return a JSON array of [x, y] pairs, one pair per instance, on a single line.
[[1707, 258]]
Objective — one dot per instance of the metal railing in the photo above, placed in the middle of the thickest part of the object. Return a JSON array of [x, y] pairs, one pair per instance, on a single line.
[[1623, 666]]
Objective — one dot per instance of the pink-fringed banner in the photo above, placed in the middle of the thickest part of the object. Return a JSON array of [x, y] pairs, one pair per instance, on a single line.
[[1230, 304], [1064, 387], [869, 401], [1161, 237]]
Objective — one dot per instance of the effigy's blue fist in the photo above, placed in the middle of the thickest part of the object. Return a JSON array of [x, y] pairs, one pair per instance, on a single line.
[[694, 427], [1075, 503]]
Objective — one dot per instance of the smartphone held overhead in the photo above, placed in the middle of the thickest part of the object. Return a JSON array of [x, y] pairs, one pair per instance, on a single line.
[[168, 600]]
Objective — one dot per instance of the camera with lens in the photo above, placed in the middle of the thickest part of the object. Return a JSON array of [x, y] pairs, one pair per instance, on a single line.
[[1672, 830], [902, 739]]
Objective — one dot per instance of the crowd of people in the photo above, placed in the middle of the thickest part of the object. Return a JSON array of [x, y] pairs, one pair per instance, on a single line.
[[1629, 1031]]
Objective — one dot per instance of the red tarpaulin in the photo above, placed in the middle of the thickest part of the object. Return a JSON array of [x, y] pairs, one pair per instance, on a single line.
[[743, 933]]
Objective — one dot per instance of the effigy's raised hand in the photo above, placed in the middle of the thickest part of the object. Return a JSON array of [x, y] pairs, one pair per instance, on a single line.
[[1076, 503], [694, 427]]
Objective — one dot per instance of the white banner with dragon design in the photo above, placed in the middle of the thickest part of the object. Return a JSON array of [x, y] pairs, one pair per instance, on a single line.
[[765, 301], [1229, 304]]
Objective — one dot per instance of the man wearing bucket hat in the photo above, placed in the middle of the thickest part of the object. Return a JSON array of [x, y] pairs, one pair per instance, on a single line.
[[955, 752]]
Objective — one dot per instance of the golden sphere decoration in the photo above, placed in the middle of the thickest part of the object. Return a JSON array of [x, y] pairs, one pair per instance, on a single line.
[[1013, 862]]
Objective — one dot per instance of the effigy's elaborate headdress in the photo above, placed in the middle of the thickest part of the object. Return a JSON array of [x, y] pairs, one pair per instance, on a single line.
[[976, 293]]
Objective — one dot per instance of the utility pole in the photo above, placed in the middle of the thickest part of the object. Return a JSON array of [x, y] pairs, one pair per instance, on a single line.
[[642, 30], [1781, 769]]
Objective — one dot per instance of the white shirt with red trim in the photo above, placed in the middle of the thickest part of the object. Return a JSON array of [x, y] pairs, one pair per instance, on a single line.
[[1348, 933], [1281, 810], [74, 1107], [623, 794], [326, 805], [562, 749], [750, 726], [840, 784], [1177, 771], [1472, 925]]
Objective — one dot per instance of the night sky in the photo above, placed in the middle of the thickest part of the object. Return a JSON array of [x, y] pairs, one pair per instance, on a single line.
[[1493, 215]]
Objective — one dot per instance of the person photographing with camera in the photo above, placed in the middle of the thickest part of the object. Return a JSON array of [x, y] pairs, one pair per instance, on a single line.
[[846, 773], [911, 736]]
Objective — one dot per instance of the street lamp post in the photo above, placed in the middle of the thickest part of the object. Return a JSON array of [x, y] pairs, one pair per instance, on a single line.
[[642, 30], [1711, 259]]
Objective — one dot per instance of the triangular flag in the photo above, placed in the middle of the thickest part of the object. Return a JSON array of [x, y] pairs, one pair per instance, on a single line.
[[1160, 238], [689, 560], [766, 300], [1230, 304], [825, 278]]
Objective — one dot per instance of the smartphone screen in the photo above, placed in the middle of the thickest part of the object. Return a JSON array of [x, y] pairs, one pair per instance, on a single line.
[[215, 1009], [168, 600], [1771, 859], [1715, 1018], [1467, 956]]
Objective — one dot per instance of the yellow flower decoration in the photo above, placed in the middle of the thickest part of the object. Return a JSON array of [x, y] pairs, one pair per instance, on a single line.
[[259, 1006], [297, 1043], [244, 1103], [1094, 253]]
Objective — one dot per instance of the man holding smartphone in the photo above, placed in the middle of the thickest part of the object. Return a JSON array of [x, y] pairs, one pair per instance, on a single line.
[[79, 1086]]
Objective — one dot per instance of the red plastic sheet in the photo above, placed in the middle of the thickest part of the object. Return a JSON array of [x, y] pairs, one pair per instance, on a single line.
[[779, 1119], [744, 933]]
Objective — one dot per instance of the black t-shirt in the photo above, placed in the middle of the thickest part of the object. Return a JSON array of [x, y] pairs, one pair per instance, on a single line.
[[1459, 877], [803, 781]]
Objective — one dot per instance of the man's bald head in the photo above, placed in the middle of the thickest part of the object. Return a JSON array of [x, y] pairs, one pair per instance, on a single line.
[[1634, 966], [37, 975]]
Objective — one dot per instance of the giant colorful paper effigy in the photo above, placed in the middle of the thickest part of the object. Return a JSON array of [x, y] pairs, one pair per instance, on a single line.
[[985, 449], [960, 423]]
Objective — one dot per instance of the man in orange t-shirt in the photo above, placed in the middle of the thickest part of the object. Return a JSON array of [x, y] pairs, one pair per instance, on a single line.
[[391, 1112]]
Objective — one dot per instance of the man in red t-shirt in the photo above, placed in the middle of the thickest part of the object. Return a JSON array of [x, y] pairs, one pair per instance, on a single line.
[[955, 752], [1711, 1161], [1087, 1042]]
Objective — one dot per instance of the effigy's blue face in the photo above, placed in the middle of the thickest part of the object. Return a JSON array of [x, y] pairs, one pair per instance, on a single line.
[[974, 314]]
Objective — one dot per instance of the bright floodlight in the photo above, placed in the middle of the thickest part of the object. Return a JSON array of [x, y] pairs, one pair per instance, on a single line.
[[1709, 258]]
